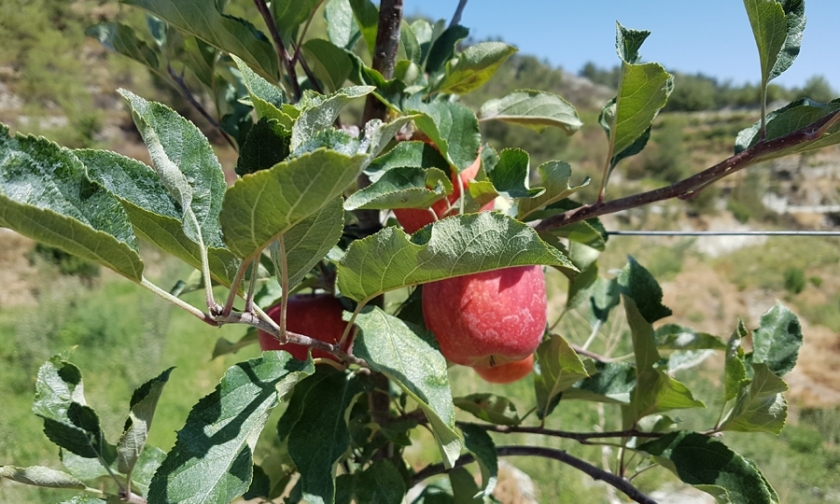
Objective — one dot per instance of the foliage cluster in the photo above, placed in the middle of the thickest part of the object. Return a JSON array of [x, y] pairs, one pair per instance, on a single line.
[[306, 214]]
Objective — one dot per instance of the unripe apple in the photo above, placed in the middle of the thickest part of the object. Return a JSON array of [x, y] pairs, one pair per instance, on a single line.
[[507, 373], [487, 319], [413, 219], [315, 315]]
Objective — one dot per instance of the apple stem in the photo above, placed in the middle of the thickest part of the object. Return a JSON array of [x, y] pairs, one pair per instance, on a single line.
[[234, 286]]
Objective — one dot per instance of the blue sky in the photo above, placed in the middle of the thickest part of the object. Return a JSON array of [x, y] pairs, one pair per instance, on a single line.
[[709, 36]]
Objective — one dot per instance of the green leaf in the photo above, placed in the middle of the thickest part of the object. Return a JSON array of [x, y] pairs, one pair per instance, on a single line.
[[443, 48], [559, 367], [289, 14], [454, 246], [212, 457], [709, 465], [480, 444], [41, 476], [643, 92], [490, 408], [83, 499], [409, 355], [735, 370], [68, 421], [322, 111], [266, 144], [224, 346], [381, 483], [146, 467], [554, 176], [606, 294], [367, 17], [389, 92], [45, 194], [454, 130], [92, 471], [410, 44], [790, 118], [609, 382], [267, 98], [260, 485], [330, 139], [342, 29], [330, 64], [122, 39], [637, 283], [678, 337], [402, 188], [136, 431], [261, 207], [761, 407], [320, 436], [378, 134], [154, 214], [187, 166], [533, 109], [309, 241], [200, 57], [407, 155], [777, 340], [464, 488], [770, 29], [475, 66], [628, 42], [201, 19], [510, 175], [655, 390]]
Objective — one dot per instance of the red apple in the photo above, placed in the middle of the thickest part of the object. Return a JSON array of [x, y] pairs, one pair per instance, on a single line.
[[489, 318], [413, 219], [507, 373], [315, 315]]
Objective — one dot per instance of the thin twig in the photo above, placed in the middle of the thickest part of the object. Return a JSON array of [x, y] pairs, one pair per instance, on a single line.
[[506, 451], [690, 186], [583, 437], [283, 58], [592, 355], [456, 18], [185, 91]]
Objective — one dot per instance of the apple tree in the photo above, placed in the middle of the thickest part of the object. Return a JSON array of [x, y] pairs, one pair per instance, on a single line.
[[312, 212]]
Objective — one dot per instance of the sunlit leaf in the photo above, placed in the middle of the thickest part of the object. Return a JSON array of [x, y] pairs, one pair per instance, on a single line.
[[533, 109], [454, 130], [41, 476], [777, 340], [475, 66], [136, 431]]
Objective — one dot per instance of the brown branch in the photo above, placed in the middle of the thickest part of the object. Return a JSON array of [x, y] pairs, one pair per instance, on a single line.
[[507, 451], [283, 58], [688, 187], [385, 53], [583, 437], [185, 91]]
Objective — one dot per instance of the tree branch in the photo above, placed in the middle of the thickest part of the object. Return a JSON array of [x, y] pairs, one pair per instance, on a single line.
[[506, 451], [456, 18], [283, 58], [583, 437], [688, 187]]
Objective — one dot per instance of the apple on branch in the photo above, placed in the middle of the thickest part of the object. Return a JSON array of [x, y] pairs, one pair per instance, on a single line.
[[315, 315], [487, 319]]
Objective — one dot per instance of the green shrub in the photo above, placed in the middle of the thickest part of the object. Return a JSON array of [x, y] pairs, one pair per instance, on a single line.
[[794, 280]]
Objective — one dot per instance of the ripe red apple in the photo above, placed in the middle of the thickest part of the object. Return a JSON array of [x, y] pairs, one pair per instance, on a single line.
[[315, 315], [507, 373], [413, 219], [489, 318]]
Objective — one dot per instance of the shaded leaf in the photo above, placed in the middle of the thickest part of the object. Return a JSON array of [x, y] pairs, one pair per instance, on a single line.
[[289, 14], [443, 47], [735, 371], [330, 64], [308, 242], [777, 340], [760, 407], [381, 483], [407, 155], [266, 144], [559, 367], [679, 337], [201, 19], [259, 208], [709, 465], [554, 176], [41, 476], [490, 408], [637, 283], [480, 444], [136, 431], [474, 66], [609, 382], [320, 435], [510, 175], [122, 39], [402, 188], [460, 245], [212, 457], [224, 346], [45, 194], [409, 355], [533, 109], [454, 130]]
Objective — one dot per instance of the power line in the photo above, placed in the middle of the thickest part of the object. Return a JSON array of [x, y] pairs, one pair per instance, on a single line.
[[724, 233]]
